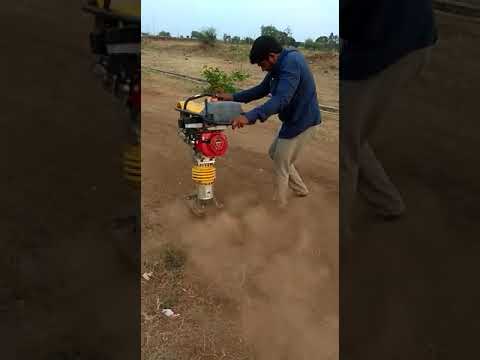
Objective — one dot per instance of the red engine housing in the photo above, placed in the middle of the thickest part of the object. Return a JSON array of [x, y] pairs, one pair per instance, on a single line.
[[212, 144]]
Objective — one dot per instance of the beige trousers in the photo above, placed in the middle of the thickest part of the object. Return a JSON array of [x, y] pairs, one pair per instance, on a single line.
[[284, 153], [363, 104]]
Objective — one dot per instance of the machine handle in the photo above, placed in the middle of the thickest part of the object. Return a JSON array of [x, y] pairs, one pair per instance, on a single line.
[[194, 97]]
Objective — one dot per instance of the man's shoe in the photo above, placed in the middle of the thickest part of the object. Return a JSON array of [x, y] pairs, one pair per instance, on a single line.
[[301, 194]]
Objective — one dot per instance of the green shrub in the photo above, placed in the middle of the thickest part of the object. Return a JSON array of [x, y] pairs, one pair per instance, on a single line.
[[208, 36], [219, 81]]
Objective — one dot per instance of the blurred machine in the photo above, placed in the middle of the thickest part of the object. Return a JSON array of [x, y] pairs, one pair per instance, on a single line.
[[115, 42]]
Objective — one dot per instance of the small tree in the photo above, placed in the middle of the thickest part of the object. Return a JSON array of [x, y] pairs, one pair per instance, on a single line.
[[322, 40], [164, 34], [227, 38], [290, 41], [284, 37], [196, 35], [331, 42], [219, 80], [208, 36], [236, 40], [309, 44], [269, 30], [248, 40]]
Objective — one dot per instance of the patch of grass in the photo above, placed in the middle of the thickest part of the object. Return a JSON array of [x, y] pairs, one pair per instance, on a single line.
[[174, 258], [164, 289], [171, 292], [239, 52]]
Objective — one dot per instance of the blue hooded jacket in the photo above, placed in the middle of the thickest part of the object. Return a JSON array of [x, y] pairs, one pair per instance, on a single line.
[[294, 95]]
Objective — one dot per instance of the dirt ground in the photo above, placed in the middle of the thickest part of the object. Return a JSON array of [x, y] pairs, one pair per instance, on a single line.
[[407, 288], [256, 284]]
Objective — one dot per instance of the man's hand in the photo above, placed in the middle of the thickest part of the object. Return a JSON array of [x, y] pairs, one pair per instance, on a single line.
[[239, 122], [224, 96]]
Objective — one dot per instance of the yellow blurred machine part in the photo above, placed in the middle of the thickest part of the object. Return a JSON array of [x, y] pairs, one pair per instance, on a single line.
[[192, 106], [123, 7], [132, 164], [203, 174]]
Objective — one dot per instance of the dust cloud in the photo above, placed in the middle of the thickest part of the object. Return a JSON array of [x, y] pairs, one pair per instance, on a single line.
[[281, 269]]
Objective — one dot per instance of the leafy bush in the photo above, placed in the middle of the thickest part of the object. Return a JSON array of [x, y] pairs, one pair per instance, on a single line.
[[208, 36], [325, 43], [220, 81], [196, 34], [310, 44]]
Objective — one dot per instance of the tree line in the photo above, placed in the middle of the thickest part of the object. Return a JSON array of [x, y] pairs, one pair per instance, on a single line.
[[208, 36]]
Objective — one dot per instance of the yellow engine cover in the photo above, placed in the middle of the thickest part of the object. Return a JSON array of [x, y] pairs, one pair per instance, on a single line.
[[192, 106], [124, 7]]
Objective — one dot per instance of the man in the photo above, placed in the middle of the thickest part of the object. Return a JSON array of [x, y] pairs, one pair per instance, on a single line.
[[294, 99], [384, 44]]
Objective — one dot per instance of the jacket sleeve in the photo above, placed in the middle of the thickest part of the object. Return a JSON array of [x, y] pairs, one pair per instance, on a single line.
[[255, 93], [288, 80]]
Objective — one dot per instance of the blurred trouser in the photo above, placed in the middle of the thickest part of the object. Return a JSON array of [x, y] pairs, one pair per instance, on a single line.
[[362, 105], [284, 153]]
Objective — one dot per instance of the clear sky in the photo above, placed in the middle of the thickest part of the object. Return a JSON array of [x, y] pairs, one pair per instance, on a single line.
[[306, 18]]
